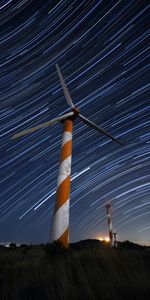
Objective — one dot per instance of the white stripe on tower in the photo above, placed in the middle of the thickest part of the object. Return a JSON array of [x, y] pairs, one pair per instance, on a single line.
[[61, 220], [64, 170]]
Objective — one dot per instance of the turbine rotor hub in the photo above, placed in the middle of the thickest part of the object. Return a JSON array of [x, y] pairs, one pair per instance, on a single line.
[[76, 111]]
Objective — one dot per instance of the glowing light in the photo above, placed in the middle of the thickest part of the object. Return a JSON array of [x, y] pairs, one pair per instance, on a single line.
[[105, 239]]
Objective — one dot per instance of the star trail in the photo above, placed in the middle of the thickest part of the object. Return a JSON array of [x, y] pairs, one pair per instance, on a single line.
[[102, 50]]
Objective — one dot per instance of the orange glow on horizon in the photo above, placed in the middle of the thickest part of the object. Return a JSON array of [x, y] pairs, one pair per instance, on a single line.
[[106, 239]]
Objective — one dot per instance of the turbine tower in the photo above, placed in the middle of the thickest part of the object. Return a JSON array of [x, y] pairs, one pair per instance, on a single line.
[[60, 223], [115, 239], [109, 220]]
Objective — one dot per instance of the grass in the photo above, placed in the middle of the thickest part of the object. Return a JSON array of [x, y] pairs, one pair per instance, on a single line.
[[37, 272]]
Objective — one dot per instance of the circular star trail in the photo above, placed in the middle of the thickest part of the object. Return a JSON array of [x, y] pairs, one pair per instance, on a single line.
[[102, 49]]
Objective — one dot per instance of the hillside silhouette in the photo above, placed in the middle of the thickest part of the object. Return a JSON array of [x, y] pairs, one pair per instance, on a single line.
[[88, 270]]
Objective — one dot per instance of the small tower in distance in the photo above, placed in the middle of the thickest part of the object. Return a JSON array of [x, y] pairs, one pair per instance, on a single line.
[[109, 220], [115, 239]]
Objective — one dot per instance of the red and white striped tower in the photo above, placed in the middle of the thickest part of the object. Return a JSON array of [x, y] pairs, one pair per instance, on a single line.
[[109, 220], [60, 222], [115, 239]]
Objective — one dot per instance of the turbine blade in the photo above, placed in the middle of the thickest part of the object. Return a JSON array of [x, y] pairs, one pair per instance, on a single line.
[[43, 125], [94, 126], [65, 89]]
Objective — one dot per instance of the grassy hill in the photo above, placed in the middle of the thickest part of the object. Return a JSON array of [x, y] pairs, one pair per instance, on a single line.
[[88, 270]]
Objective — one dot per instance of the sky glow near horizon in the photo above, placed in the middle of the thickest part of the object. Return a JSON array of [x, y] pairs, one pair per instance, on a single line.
[[102, 50]]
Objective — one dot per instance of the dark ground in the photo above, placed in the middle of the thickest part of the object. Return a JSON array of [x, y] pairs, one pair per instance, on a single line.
[[89, 270]]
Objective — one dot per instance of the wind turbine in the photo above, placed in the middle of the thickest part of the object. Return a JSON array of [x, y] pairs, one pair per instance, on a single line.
[[109, 220], [115, 239], [60, 223]]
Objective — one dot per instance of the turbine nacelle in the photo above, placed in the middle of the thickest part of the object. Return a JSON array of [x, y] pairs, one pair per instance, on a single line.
[[76, 111]]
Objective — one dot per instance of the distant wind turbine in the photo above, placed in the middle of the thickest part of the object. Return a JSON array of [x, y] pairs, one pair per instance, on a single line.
[[60, 224], [109, 220], [115, 239]]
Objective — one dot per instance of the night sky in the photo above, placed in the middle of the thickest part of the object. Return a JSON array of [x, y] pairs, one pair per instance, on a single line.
[[101, 48]]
